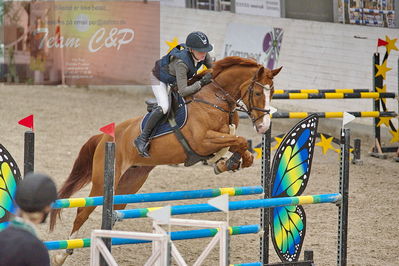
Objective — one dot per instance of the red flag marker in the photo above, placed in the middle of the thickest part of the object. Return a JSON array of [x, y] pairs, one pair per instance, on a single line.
[[381, 43], [109, 129], [27, 122]]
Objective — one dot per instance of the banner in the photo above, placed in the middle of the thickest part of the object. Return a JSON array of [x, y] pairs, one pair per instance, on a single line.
[[93, 42], [261, 43], [270, 8]]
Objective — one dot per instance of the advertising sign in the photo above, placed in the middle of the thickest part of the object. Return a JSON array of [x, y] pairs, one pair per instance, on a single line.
[[270, 8], [261, 43], [93, 42]]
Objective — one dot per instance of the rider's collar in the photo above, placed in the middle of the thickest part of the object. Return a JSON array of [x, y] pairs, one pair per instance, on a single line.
[[24, 224]]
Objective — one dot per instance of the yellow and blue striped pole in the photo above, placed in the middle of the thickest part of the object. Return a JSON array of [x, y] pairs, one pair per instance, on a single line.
[[178, 235], [235, 205], [161, 196]]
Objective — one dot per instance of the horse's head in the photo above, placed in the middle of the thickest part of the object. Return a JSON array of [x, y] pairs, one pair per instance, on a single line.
[[248, 85], [256, 94]]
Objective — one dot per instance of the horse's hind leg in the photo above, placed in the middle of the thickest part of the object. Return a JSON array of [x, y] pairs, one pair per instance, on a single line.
[[131, 181], [97, 189]]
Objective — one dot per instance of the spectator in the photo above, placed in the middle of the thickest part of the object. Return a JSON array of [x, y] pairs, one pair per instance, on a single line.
[[19, 242]]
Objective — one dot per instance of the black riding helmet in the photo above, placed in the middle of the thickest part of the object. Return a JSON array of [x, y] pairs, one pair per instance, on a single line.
[[198, 41], [35, 192]]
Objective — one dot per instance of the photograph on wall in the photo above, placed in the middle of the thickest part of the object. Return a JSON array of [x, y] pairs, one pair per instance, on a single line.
[[377, 13]]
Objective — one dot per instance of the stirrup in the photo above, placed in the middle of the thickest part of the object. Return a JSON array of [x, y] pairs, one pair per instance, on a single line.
[[144, 152]]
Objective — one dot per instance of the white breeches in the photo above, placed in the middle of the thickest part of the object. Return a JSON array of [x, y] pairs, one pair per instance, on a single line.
[[161, 94]]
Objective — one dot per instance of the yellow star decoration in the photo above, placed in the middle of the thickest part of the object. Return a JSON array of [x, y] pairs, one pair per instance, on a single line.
[[382, 90], [172, 44], [325, 143], [391, 44], [338, 151], [278, 140], [384, 120], [382, 69], [395, 136], [258, 152]]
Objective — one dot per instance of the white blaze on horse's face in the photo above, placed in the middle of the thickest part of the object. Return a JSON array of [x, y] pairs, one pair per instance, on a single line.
[[264, 126]]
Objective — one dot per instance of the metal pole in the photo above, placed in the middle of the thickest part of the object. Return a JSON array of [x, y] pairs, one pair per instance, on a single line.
[[396, 17], [227, 250], [308, 255], [265, 183], [344, 190], [377, 83], [29, 152], [232, 6], [109, 175], [357, 152], [345, 10], [396, 8]]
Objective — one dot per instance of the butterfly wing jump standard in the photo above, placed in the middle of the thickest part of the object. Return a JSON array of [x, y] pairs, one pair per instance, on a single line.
[[290, 171], [9, 177]]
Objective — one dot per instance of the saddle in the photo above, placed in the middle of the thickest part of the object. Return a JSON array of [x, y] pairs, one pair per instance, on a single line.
[[173, 121]]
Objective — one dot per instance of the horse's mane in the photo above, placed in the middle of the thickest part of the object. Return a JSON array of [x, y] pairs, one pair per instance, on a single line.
[[229, 61], [223, 64]]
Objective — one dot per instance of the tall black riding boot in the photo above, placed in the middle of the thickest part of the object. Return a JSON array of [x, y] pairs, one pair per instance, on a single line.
[[142, 141]]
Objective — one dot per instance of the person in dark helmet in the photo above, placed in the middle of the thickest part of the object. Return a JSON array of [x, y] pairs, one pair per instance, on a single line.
[[176, 68], [19, 244]]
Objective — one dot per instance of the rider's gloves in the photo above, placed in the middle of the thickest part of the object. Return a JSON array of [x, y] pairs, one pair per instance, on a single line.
[[206, 79]]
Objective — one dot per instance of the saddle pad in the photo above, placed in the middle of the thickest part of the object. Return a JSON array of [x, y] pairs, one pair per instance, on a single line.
[[165, 127]]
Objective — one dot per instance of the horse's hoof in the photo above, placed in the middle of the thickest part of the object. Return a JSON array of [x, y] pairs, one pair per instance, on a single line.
[[220, 166], [216, 169], [59, 259], [233, 163]]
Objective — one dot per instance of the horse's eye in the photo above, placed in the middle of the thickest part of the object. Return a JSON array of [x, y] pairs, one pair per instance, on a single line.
[[258, 94]]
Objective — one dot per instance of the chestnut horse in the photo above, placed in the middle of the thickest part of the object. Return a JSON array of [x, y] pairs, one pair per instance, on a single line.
[[237, 83]]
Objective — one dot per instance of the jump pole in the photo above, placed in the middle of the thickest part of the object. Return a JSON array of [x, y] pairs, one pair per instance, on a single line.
[[265, 212], [108, 205], [29, 152], [344, 191]]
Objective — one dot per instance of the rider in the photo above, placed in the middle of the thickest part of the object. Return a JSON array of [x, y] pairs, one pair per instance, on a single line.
[[175, 68]]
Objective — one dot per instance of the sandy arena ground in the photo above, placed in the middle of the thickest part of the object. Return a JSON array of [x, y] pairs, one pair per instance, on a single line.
[[66, 117]]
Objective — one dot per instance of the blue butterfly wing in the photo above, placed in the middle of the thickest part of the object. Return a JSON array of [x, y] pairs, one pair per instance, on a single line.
[[290, 171], [9, 178]]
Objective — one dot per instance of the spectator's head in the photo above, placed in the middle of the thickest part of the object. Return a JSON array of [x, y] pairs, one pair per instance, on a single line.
[[35, 194]]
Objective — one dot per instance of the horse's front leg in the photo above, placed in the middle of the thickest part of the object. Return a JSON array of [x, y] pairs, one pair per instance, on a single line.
[[238, 146]]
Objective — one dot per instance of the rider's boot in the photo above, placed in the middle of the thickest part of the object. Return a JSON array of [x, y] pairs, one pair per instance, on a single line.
[[142, 141]]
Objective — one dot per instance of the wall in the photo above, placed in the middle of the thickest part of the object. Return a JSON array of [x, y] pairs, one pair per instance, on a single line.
[[313, 54]]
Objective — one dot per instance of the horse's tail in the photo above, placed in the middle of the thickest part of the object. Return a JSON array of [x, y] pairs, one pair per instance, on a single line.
[[79, 176]]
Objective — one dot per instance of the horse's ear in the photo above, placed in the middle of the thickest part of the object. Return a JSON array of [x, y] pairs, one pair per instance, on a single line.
[[276, 71], [260, 72]]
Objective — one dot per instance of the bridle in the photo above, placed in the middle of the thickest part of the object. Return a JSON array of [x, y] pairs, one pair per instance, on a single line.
[[239, 105]]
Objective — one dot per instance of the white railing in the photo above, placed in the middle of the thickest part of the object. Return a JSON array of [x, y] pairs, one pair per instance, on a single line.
[[98, 247], [160, 243], [221, 237]]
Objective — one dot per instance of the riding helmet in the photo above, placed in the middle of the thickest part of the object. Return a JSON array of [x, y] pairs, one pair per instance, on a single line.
[[198, 41]]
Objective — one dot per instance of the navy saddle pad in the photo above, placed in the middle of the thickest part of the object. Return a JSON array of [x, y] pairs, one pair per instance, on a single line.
[[165, 128]]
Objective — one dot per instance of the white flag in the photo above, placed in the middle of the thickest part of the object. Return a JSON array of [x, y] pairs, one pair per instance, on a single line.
[[161, 215], [272, 110], [221, 202], [347, 118]]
